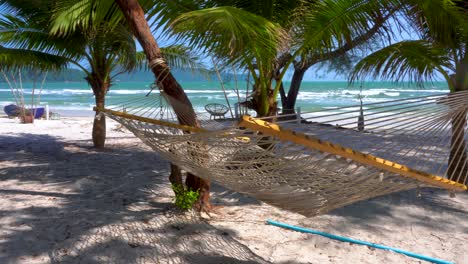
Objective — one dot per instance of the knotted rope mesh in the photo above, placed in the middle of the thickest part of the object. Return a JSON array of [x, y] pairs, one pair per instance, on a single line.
[[319, 161]]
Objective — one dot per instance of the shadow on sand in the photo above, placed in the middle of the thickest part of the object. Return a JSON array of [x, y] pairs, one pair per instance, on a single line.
[[108, 206], [68, 203]]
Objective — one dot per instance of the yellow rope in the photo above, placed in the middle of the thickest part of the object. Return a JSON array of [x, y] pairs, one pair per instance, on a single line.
[[317, 144]]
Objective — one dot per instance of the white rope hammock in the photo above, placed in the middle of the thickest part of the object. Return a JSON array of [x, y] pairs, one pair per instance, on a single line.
[[321, 161]]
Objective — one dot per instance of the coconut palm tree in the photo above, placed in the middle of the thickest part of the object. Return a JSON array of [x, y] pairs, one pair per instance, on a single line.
[[250, 40], [135, 17], [269, 37], [102, 49], [338, 58], [316, 32], [440, 50], [96, 49], [235, 35], [76, 13]]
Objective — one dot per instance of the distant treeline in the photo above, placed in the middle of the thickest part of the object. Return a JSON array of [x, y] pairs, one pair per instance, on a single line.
[[75, 75]]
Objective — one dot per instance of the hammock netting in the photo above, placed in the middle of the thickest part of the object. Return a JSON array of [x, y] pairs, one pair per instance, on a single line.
[[317, 162]]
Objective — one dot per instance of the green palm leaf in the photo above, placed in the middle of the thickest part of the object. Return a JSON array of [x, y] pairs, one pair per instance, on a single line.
[[182, 57], [440, 21], [12, 59], [21, 34], [328, 25], [164, 12], [230, 33], [102, 46], [417, 61], [72, 15]]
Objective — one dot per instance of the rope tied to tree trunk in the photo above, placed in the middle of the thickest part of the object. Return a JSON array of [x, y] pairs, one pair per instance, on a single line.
[[158, 61]]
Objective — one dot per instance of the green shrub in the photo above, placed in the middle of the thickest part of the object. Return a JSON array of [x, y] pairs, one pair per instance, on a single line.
[[184, 198]]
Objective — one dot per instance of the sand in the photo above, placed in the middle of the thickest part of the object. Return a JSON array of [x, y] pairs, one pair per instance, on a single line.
[[61, 201]]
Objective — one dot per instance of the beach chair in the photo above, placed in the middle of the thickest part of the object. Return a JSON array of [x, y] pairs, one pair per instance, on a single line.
[[216, 110], [12, 110], [38, 112], [54, 116]]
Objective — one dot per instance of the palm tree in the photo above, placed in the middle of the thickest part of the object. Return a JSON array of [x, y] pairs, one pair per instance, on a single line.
[[99, 50], [75, 13], [239, 37], [102, 50], [269, 37], [135, 16], [338, 58], [252, 29], [51, 39], [384, 21], [440, 50]]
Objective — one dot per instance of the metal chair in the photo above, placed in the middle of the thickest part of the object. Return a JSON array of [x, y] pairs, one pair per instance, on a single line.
[[216, 110]]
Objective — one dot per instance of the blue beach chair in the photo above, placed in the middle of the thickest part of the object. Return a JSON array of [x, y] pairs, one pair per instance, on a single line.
[[12, 110]]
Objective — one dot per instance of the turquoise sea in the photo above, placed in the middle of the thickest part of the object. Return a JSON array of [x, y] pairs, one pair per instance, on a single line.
[[76, 98]]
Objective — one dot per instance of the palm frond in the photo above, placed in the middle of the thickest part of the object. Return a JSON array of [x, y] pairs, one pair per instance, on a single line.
[[72, 15], [119, 44], [38, 10], [21, 34], [416, 61], [442, 21], [91, 34], [182, 57], [162, 13], [11, 59], [328, 25], [231, 33]]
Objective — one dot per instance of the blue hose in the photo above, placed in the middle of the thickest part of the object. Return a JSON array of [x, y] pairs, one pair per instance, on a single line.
[[350, 240]]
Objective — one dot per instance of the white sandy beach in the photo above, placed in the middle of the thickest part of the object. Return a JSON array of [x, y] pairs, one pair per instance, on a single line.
[[61, 201]]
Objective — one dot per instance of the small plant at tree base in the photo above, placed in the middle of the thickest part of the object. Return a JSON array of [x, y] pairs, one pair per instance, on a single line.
[[184, 198]]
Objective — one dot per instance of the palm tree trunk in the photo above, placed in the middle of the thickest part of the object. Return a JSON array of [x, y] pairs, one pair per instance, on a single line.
[[99, 125], [136, 18], [289, 103], [263, 101], [100, 88]]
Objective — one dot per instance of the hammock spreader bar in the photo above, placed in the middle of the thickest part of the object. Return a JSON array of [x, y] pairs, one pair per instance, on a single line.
[[359, 242], [325, 146]]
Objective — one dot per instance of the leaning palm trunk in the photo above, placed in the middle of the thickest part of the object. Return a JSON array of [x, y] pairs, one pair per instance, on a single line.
[[168, 84]]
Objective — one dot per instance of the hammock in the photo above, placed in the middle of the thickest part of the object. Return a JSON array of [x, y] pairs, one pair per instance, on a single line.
[[320, 161]]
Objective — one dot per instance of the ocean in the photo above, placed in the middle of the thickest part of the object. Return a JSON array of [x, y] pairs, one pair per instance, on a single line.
[[76, 98]]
